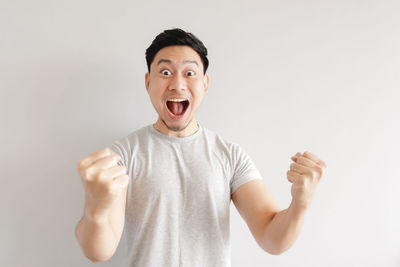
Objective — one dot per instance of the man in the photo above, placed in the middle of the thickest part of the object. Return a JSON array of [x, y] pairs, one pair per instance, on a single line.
[[170, 184]]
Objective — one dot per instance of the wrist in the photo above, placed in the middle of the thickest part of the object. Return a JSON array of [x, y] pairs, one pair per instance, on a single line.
[[297, 208], [96, 215]]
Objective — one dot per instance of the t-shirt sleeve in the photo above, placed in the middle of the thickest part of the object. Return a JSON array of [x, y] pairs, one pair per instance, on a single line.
[[118, 148], [243, 168]]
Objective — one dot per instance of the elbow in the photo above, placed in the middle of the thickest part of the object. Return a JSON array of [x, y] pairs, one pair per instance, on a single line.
[[98, 256], [93, 253], [275, 251], [95, 259]]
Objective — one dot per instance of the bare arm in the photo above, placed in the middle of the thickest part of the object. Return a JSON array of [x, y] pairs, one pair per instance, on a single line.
[[304, 174], [96, 237], [100, 229], [284, 228], [99, 235], [276, 230]]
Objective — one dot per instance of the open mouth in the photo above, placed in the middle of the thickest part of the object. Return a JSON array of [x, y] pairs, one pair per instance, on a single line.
[[177, 108]]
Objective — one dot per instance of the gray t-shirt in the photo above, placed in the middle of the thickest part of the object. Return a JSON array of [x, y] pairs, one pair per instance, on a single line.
[[179, 196]]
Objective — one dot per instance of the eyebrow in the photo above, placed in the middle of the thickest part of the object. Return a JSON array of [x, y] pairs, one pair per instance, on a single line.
[[169, 61]]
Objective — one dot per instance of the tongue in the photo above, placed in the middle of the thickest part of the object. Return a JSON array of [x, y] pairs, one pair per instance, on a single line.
[[175, 107]]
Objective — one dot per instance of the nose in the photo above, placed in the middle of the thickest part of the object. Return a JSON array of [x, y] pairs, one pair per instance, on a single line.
[[178, 83]]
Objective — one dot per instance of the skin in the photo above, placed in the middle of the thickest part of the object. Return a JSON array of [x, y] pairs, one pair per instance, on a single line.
[[182, 76], [276, 230]]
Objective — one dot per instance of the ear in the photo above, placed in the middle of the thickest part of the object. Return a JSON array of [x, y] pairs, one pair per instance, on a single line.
[[147, 80], [206, 81]]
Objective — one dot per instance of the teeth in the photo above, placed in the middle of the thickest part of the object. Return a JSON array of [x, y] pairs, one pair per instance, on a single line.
[[176, 99]]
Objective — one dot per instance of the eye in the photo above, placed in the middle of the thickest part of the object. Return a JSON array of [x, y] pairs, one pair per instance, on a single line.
[[165, 72], [190, 73]]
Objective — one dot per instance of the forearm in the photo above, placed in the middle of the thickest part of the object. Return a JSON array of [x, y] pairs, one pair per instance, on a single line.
[[282, 231], [96, 237]]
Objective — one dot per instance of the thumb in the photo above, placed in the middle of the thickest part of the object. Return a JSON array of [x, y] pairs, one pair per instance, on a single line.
[[296, 156]]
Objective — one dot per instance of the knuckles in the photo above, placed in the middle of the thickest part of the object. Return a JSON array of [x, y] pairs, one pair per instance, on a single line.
[[102, 175], [87, 173], [90, 173], [79, 165]]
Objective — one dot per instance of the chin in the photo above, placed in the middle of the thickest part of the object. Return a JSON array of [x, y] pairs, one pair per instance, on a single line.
[[176, 127]]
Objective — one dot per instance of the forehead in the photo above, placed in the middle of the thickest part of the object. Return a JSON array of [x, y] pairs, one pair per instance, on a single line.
[[177, 54]]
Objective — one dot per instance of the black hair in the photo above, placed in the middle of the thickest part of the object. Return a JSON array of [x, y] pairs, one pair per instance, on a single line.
[[176, 36]]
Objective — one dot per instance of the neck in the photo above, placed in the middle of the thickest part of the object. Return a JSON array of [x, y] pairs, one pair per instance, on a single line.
[[191, 128]]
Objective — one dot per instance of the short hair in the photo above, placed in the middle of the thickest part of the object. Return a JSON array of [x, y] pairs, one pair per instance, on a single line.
[[176, 36]]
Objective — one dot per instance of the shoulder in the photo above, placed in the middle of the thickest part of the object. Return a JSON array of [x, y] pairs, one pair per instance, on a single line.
[[140, 133], [127, 145], [236, 153], [221, 143]]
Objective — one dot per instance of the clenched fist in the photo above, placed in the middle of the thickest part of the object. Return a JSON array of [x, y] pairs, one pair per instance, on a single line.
[[103, 180], [305, 174]]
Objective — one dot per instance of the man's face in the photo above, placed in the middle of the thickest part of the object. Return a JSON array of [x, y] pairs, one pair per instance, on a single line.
[[176, 73]]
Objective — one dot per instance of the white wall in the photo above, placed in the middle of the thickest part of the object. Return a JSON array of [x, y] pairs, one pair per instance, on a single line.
[[286, 76]]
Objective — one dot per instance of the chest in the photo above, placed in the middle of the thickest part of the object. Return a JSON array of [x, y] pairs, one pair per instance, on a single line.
[[181, 176]]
